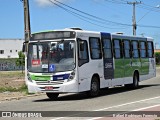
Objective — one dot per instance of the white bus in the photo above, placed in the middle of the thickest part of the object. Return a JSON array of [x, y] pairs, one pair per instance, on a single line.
[[75, 60]]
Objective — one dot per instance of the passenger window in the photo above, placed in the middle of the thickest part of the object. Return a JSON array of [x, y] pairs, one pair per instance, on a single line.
[[95, 48], [150, 49], [135, 52], [117, 49], [143, 49], [127, 49], [107, 49]]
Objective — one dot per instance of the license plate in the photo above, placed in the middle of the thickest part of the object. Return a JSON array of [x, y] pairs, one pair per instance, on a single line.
[[48, 88]]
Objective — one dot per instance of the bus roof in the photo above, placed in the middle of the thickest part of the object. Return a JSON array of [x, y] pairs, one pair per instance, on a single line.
[[114, 35]]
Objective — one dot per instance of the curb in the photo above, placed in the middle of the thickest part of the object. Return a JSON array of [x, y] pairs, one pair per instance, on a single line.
[[21, 97]]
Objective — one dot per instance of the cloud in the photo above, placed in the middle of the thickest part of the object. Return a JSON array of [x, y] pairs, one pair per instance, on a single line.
[[43, 3]]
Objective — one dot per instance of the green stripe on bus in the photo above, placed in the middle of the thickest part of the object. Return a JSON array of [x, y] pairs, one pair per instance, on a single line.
[[126, 67], [144, 66], [40, 77]]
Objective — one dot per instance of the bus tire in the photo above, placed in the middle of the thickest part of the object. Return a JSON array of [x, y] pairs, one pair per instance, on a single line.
[[94, 89], [135, 83], [52, 96]]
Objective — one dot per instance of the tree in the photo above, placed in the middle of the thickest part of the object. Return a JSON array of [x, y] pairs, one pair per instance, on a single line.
[[157, 55], [21, 60]]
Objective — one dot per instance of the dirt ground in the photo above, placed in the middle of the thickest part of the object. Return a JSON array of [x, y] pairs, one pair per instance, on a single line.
[[12, 82], [8, 79]]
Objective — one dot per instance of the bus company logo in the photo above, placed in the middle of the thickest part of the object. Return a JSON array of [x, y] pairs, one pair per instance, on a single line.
[[108, 65]]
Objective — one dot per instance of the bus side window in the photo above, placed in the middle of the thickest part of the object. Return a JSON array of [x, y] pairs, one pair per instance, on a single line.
[[150, 49], [127, 49], [82, 52], [95, 48], [143, 49], [107, 48], [117, 49], [135, 51]]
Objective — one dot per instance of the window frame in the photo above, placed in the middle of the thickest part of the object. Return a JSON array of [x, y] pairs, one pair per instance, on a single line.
[[1, 51]]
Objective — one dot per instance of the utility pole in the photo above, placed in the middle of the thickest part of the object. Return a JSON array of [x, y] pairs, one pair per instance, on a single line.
[[27, 28], [134, 16], [27, 32]]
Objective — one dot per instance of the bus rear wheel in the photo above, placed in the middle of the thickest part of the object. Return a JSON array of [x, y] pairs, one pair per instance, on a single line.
[[52, 96], [135, 83], [94, 89]]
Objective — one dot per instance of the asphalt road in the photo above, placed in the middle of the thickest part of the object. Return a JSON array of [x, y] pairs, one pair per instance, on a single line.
[[114, 99]]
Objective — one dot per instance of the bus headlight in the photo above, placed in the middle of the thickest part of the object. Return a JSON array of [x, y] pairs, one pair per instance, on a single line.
[[72, 75]]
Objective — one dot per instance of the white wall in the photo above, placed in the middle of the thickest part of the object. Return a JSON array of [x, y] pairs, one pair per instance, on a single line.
[[11, 47]]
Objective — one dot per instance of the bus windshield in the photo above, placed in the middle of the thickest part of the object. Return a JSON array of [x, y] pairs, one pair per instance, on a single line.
[[51, 56]]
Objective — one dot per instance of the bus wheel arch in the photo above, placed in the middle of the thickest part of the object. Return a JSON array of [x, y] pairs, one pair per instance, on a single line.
[[94, 86]]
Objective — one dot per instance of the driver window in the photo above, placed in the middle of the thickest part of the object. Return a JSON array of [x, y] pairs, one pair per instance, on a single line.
[[82, 52]]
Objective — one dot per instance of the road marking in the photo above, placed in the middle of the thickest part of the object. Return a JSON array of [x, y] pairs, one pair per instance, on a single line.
[[129, 112], [127, 103], [95, 118], [58, 118], [146, 107], [116, 106]]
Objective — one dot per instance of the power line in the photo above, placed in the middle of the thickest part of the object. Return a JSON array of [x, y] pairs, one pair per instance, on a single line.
[[115, 1], [82, 17], [93, 16], [78, 13]]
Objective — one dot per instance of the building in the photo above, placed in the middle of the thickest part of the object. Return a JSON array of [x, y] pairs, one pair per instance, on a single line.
[[9, 48], [157, 50]]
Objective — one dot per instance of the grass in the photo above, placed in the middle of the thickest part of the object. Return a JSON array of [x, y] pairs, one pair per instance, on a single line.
[[16, 75], [23, 88], [11, 74], [158, 65]]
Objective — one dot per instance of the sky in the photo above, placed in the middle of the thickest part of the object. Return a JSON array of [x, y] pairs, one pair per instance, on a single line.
[[93, 15]]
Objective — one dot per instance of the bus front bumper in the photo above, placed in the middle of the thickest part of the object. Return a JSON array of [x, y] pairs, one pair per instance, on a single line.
[[66, 87]]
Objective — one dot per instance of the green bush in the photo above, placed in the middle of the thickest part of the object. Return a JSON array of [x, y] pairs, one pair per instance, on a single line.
[[157, 55]]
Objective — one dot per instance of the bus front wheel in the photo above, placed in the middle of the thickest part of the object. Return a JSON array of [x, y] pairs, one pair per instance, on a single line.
[[94, 89], [52, 96]]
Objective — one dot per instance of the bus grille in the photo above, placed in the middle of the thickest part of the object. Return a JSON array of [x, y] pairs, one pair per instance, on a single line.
[[49, 82]]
